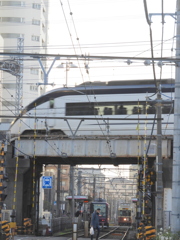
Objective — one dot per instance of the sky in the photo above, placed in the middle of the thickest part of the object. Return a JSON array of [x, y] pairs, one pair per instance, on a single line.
[[109, 28]]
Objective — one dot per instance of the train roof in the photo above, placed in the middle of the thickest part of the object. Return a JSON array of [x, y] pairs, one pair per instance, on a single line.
[[87, 87], [128, 82]]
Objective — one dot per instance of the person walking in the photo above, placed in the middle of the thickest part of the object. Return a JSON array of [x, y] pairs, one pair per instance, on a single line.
[[95, 222]]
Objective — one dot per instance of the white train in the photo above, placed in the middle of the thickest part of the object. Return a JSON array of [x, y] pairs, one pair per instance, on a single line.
[[99, 108]]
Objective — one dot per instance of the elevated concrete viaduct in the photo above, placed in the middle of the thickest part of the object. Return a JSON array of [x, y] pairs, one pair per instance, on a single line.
[[73, 151]]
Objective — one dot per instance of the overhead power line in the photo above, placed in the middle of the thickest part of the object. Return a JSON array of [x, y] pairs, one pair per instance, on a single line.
[[90, 57]]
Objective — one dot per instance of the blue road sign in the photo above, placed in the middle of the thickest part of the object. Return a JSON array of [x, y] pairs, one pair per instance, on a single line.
[[46, 182]]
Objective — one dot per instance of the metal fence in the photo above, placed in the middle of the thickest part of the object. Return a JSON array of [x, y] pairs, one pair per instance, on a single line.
[[63, 223]]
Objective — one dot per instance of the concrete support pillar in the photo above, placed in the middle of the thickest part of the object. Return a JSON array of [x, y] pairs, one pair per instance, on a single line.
[[23, 166]]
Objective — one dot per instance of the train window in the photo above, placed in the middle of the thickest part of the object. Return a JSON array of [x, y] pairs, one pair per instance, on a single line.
[[51, 103], [137, 110], [121, 110], [125, 213], [113, 108], [151, 110], [107, 111], [80, 109]]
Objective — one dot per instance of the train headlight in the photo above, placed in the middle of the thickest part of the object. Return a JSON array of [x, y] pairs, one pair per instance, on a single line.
[[125, 219]]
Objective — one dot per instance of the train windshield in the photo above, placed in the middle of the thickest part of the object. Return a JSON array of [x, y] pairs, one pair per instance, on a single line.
[[124, 213], [102, 207]]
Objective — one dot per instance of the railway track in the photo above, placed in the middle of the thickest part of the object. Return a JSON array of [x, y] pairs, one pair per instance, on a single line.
[[69, 234], [115, 233]]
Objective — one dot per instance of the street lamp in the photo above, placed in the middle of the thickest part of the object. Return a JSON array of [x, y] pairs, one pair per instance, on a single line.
[[68, 65]]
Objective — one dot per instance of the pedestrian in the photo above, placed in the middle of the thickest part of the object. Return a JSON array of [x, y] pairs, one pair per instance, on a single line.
[[95, 222]]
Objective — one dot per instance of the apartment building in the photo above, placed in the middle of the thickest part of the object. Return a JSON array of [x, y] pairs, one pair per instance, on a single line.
[[22, 29]]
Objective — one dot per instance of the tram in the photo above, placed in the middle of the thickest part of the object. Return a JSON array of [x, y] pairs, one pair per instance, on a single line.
[[125, 217], [97, 108], [104, 213]]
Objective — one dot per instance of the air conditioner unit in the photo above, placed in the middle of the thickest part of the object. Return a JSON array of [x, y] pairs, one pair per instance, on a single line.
[[6, 215]]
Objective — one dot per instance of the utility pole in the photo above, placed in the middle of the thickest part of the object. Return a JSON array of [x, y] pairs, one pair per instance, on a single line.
[[58, 190], [79, 182], [72, 190], [159, 182], [175, 215], [94, 188]]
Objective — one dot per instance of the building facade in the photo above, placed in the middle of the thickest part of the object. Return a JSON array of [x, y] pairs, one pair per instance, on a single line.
[[23, 30]]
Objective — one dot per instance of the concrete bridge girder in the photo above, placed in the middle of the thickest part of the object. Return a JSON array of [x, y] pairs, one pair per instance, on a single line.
[[90, 148]]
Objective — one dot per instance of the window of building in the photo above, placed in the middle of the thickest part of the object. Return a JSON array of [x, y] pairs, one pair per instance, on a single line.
[[9, 85], [35, 38], [34, 88], [64, 171], [12, 19], [36, 6], [34, 71], [12, 3], [113, 108], [35, 22], [11, 35]]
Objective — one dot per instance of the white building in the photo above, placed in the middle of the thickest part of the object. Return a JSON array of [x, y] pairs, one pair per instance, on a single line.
[[23, 29], [1, 44]]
